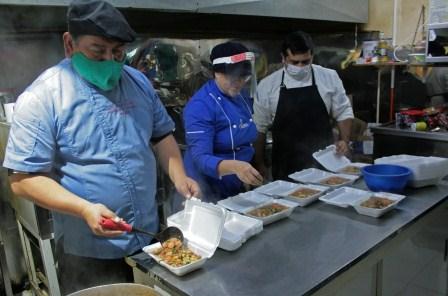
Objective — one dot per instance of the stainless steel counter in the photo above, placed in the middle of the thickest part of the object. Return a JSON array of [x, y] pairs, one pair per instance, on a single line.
[[303, 254], [390, 140]]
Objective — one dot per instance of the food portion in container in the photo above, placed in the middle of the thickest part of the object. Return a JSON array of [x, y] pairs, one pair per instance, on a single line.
[[174, 253], [351, 169], [334, 180], [304, 192], [272, 211], [267, 210], [377, 202]]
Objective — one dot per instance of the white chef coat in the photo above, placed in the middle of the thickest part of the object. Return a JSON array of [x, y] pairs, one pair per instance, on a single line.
[[329, 86]]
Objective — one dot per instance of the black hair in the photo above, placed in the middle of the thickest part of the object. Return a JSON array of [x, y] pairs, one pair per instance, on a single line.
[[297, 42]]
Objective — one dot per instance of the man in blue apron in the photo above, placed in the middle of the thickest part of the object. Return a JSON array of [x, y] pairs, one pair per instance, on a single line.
[[297, 103], [79, 145]]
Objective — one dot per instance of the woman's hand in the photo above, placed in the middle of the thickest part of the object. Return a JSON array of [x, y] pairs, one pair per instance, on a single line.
[[244, 171]]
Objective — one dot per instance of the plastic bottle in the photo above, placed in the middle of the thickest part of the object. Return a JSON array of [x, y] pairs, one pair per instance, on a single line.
[[382, 49]]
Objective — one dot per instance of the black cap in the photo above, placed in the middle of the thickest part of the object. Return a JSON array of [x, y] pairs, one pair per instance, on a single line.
[[99, 18], [229, 49]]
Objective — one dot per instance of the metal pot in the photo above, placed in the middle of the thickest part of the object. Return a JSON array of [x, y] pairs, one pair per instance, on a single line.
[[117, 290]]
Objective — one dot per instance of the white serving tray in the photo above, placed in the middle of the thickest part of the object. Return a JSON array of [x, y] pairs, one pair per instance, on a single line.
[[425, 170], [378, 212], [306, 200], [277, 188], [345, 196], [202, 226], [244, 202], [277, 216], [316, 176], [334, 162]]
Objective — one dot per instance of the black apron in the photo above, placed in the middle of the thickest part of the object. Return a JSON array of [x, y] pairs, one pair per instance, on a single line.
[[301, 127]]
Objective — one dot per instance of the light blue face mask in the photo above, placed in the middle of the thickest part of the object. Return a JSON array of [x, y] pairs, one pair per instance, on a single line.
[[297, 72], [103, 74]]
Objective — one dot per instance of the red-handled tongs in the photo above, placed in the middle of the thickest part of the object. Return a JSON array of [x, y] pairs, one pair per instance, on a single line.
[[164, 235]]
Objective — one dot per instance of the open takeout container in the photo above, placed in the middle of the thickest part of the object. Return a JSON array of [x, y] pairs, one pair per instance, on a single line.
[[286, 212], [243, 202], [333, 162], [320, 177], [202, 225], [278, 188], [425, 170], [378, 212], [237, 228], [304, 194], [345, 196]]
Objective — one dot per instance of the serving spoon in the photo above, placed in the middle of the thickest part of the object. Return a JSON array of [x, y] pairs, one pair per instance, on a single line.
[[162, 236]]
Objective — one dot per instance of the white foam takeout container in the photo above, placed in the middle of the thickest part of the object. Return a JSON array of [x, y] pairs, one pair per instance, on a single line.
[[277, 216], [237, 228], [425, 170], [315, 176], [304, 201], [345, 196], [243, 202], [202, 226], [333, 162], [277, 188], [373, 212]]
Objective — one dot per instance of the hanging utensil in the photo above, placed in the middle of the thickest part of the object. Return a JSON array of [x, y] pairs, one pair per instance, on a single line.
[[164, 235]]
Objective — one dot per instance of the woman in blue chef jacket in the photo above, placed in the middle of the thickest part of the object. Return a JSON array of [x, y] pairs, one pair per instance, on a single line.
[[219, 129]]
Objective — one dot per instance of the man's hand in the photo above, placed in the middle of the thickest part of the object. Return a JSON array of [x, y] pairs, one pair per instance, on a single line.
[[188, 188], [342, 148], [93, 215]]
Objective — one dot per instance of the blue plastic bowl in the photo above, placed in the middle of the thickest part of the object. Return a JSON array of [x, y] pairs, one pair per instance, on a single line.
[[386, 177]]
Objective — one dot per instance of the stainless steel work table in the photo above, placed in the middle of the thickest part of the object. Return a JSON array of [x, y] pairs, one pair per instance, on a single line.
[[306, 253]]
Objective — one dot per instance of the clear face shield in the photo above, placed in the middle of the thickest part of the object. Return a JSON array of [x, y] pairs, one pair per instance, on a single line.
[[237, 69]]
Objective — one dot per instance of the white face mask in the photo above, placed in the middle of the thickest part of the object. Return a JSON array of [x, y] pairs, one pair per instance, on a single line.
[[298, 73]]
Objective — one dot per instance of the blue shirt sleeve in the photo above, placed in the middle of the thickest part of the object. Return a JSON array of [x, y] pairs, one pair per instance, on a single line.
[[31, 142], [163, 124], [199, 135]]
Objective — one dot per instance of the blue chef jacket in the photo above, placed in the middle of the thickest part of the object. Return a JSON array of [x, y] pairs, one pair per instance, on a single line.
[[217, 127], [96, 145]]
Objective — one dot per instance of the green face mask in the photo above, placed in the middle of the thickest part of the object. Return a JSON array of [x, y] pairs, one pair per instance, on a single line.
[[103, 74]]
